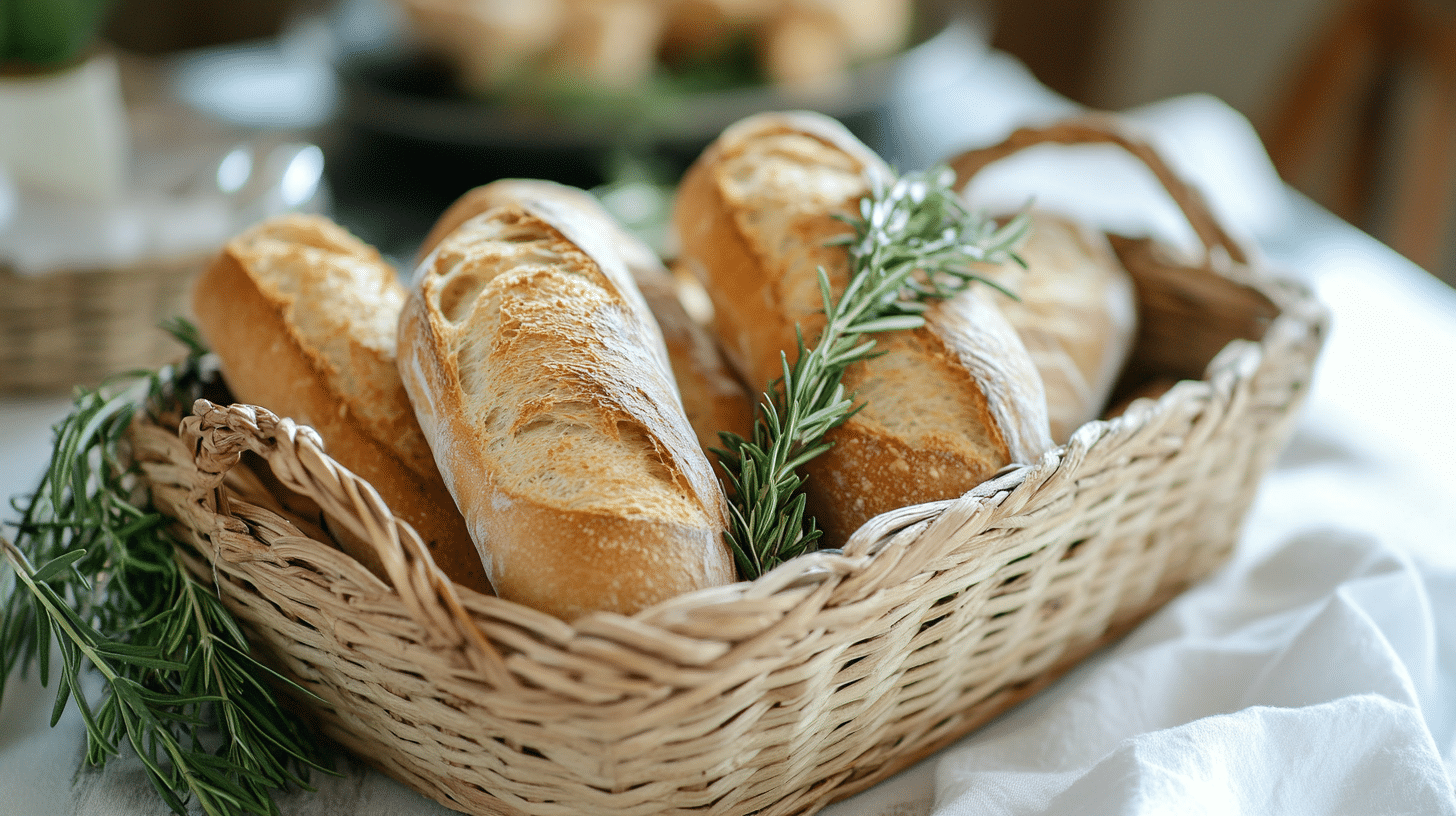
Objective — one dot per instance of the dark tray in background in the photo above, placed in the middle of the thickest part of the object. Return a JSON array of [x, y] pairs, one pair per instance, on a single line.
[[407, 143]]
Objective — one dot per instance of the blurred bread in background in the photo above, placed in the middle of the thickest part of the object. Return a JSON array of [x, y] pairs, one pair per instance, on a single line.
[[801, 45]]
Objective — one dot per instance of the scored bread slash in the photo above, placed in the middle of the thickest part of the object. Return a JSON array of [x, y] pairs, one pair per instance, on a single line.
[[712, 397], [541, 383], [303, 316]]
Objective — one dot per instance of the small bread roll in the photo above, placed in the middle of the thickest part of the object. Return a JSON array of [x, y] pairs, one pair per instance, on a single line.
[[874, 28], [809, 46], [303, 317], [1076, 314], [712, 398], [804, 50], [612, 43], [946, 406], [538, 377], [488, 42]]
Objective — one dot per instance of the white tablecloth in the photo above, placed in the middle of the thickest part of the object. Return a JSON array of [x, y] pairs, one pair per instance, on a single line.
[[1316, 674]]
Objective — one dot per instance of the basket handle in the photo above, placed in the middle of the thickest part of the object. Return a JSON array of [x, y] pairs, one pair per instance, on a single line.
[[1106, 129], [219, 435]]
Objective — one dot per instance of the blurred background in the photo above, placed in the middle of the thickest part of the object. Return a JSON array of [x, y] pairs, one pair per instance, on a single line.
[[1355, 99], [137, 135]]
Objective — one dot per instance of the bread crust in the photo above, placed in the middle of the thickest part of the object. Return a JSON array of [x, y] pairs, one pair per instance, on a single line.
[[946, 406], [711, 395], [350, 393], [534, 374], [1076, 312]]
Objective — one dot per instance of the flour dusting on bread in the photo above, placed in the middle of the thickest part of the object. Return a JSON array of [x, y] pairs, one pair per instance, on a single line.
[[554, 417]]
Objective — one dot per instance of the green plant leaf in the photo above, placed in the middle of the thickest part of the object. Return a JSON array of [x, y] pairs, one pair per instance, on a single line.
[[48, 32]]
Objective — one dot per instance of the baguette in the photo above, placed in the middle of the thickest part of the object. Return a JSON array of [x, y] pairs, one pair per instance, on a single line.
[[538, 377], [711, 396], [945, 406], [303, 316], [1076, 313]]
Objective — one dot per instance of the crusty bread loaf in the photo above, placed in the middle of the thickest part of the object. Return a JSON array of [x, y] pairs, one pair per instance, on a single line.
[[303, 316], [1076, 314], [946, 406], [712, 397], [537, 376]]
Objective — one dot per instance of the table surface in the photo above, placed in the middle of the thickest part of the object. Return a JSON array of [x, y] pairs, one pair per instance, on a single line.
[[1379, 301]]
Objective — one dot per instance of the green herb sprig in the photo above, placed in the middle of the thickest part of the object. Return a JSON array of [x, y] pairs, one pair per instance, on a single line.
[[913, 243], [95, 575]]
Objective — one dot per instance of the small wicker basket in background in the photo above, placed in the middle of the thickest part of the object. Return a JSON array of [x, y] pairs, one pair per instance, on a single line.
[[813, 682], [76, 327]]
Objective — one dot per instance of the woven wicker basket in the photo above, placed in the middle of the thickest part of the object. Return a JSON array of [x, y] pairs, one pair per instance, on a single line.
[[78, 326], [778, 695]]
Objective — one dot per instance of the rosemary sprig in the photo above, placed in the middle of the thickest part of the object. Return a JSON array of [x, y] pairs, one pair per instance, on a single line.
[[96, 576], [914, 242]]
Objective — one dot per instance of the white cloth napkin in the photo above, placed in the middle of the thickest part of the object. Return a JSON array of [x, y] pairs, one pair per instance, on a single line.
[[1306, 680]]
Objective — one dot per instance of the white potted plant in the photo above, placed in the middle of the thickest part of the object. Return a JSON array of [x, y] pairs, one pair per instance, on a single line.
[[62, 120]]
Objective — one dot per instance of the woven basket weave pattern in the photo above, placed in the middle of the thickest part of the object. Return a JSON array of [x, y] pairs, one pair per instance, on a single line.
[[64, 328], [816, 680], [778, 695]]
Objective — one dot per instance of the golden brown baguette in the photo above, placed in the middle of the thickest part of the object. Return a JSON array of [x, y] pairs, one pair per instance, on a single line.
[[1076, 314], [946, 405], [538, 377], [712, 397], [303, 316]]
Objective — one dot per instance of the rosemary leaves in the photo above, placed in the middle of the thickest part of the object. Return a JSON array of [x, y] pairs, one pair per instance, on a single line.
[[96, 576], [914, 242]]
